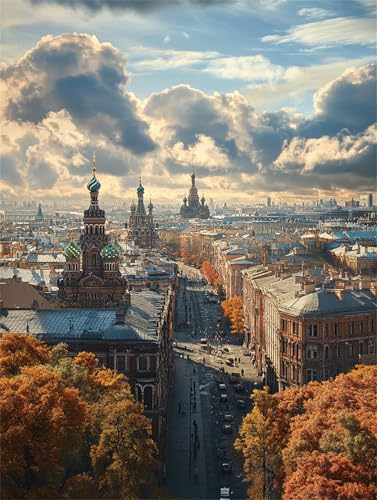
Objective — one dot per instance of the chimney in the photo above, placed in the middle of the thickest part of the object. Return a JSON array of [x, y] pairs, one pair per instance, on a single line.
[[339, 292]]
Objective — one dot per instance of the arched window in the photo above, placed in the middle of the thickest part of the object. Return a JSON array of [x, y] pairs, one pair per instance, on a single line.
[[94, 260], [148, 397], [138, 393]]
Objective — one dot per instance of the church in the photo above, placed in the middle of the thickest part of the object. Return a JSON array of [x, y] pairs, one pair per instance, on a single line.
[[141, 228], [194, 209], [91, 276]]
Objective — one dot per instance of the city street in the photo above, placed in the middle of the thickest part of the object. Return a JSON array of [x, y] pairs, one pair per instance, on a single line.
[[198, 442]]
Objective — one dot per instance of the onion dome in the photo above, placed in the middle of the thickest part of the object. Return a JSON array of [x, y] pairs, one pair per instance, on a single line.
[[109, 252], [133, 207], [140, 189], [72, 251], [150, 206], [93, 185]]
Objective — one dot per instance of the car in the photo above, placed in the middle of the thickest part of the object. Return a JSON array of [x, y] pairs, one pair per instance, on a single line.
[[227, 429], [204, 340], [239, 387], [246, 353], [222, 387], [241, 403], [228, 417], [229, 361], [226, 467], [224, 493], [225, 349], [223, 398]]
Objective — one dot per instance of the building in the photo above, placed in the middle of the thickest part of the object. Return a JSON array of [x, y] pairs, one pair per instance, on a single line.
[[91, 276], [39, 217], [141, 229], [137, 341], [192, 208], [370, 200], [307, 326]]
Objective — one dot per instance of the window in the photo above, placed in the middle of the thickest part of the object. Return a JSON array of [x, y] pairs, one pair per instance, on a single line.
[[326, 352], [284, 345], [336, 329], [312, 330], [312, 352], [337, 350], [311, 375], [361, 347], [143, 363], [371, 347], [121, 363], [352, 328], [295, 328], [326, 331], [284, 325]]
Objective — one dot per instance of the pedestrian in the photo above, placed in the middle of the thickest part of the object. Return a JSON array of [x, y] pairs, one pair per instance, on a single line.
[[242, 372], [179, 407]]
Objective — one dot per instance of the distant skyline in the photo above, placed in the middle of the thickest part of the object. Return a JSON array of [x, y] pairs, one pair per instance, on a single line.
[[262, 97]]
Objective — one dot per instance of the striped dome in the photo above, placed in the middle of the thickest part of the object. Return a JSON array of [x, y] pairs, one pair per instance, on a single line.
[[93, 185], [72, 251], [109, 252]]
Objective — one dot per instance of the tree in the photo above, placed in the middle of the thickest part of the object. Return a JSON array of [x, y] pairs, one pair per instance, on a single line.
[[233, 310], [42, 421], [210, 273], [316, 441], [72, 429], [18, 350], [124, 457]]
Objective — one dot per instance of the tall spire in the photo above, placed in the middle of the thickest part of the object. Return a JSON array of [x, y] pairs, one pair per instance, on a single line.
[[94, 169]]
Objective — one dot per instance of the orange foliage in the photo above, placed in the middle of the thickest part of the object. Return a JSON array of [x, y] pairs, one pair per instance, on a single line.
[[41, 420], [18, 350], [233, 310], [210, 273], [317, 441]]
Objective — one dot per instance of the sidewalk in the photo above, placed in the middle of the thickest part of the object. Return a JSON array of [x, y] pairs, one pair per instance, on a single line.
[[180, 476]]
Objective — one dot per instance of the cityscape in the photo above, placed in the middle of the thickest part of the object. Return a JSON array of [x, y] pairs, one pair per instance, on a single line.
[[188, 250]]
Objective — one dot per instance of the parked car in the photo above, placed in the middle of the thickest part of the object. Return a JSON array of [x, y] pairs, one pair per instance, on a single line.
[[222, 387], [228, 417], [241, 403], [227, 429], [246, 353], [223, 398], [226, 467], [224, 493], [239, 387], [204, 340], [229, 361]]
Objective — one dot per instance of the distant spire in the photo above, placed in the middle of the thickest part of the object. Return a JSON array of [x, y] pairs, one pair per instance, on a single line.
[[94, 164], [140, 180]]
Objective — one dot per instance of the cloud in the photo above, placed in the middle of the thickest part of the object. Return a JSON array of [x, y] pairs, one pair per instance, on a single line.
[[150, 59], [315, 13], [83, 76], [348, 101], [50, 129], [135, 5], [248, 68], [336, 31]]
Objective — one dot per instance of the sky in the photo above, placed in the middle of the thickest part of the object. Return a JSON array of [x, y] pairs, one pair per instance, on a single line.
[[260, 97]]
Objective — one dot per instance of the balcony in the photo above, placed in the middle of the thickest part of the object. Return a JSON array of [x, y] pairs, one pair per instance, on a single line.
[[145, 374]]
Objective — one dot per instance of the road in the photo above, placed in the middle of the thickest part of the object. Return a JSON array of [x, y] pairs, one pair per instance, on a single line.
[[191, 472]]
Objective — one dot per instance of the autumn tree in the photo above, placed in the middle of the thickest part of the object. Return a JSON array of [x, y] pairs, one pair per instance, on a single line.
[[317, 441], [210, 273], [233, 310], [41, 421], [18, 350], [71, 429]]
